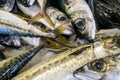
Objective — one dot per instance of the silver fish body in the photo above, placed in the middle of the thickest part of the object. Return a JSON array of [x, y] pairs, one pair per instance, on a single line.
[[81, 15], [12, 22], [32, 11], [7, 5], [65, 63], [11, 66], [107, 68]]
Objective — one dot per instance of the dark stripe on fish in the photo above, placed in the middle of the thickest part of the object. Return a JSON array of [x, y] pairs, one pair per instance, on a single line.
[[80, 51], [10, 70]]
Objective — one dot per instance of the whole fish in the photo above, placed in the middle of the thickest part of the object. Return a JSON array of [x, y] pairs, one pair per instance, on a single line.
[[7, 5], [107, 68], [10, 66], [81, 15], [64, 63], [12, 22]]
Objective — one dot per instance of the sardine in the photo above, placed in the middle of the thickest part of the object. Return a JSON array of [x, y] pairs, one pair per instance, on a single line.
[[58, 18], [10, 66], [107, 68], [33, 12], [11, 21], [48, 22], [68, 61], [7, 5], [81, 15]]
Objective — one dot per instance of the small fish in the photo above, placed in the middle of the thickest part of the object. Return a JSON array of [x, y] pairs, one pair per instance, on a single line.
[[107, 68], [10, 66], [11, 21], [58, 18], [81, 15], [34, 12], [7, 5], [66, 62], [10, 41]]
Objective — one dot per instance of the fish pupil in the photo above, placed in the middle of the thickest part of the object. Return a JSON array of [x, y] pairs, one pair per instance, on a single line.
[[80, 23], [62, 18], [99, 65]]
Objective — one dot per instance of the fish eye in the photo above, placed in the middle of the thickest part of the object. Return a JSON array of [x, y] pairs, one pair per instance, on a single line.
[[25, 3], [62, 18], [80, 23], [99, 66]]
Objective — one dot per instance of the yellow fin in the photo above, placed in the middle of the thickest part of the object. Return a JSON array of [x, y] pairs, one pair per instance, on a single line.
[[59, 30], [36, 17]]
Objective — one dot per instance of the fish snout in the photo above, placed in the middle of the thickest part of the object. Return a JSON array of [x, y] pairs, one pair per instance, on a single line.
[[69, 30]]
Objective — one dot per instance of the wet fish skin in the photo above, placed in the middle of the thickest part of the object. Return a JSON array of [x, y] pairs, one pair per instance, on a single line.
[[7, 5], [11, 32], [58, 18], [68, 61], [81, 15], [102, 69], [11, 66], [12, 21]]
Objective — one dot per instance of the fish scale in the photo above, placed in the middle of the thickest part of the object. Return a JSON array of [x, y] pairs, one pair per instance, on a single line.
[[10, 66], [68, 61]]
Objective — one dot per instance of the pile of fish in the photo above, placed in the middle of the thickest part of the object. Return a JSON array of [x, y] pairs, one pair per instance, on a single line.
[[69, 29]]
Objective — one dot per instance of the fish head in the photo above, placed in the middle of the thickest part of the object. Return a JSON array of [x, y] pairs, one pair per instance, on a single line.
[[60, 20], [84, 23], [26, 3], [81, 16], [102, 69]]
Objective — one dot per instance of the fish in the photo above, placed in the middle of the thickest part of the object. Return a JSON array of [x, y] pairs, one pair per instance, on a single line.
[[7, 5], [66, 62], [35, 8], [81, 16], [9, 67], [12, 22], [10, 41], [107, 68], [58, 18], [34, 12]]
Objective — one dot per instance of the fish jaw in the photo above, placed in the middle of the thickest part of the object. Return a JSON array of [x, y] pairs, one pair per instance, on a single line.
[[58, 18]]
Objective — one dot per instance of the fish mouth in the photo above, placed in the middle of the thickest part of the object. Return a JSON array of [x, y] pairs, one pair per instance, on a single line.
[[68, 32]]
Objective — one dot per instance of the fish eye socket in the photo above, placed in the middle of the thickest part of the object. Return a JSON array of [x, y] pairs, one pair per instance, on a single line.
[[80, 23], [99, 66], [62, 18], [25, 3]]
